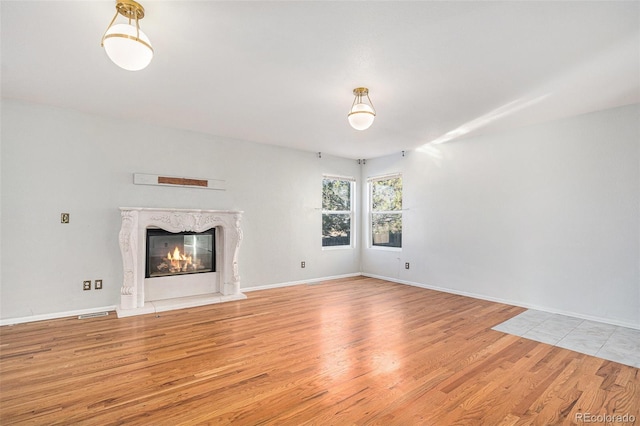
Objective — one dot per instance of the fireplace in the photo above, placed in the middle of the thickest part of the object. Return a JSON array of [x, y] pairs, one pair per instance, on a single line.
[[178, 258], [179, 253]]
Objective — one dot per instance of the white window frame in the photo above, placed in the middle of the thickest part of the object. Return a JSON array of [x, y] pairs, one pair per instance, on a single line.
[[370, 214], [351, 213]]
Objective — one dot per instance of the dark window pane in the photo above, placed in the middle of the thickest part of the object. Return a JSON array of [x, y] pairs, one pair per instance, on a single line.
[[336, 230], [386, 229]]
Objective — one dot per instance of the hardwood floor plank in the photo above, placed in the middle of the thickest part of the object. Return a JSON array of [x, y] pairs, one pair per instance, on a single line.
[[349, 351]]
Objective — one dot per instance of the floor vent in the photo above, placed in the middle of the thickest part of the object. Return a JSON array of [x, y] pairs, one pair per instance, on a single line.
[[93, 315]]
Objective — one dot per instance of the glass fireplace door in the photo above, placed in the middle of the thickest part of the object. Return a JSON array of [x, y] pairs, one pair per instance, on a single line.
[[179, 253]]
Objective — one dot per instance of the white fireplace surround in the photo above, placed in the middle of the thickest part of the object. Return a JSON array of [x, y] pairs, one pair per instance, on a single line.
[[225, 285]]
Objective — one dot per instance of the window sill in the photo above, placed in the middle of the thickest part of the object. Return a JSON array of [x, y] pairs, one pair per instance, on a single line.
[[330, 248], [383, 248]]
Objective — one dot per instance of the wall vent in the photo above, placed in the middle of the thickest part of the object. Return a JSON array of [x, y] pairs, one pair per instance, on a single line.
[[93, 315]]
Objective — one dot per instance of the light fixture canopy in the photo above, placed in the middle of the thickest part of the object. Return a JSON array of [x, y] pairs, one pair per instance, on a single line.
[[361, 115], [126, 45]]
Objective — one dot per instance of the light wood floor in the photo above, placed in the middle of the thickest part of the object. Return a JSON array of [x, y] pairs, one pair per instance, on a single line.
[[353, 351]]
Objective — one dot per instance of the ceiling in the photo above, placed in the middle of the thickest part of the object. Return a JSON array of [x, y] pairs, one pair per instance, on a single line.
[[282, 73]]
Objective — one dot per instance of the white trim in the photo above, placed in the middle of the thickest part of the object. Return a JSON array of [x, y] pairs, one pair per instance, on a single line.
[[157, 306], [344, 247], [384, 177], [55, 315], [508, 302], [383, 248], [353, 213], [336, 177], [292, 283], [371, 212]]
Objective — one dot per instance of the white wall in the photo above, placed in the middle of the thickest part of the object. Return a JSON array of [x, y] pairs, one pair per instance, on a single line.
[[546, 217], [56, 161]]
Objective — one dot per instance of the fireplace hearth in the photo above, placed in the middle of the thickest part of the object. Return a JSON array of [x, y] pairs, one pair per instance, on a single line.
[[193, 258]]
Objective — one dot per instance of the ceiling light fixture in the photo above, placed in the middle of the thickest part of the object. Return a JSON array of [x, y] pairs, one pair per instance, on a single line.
[[126, 45], [361, 114]]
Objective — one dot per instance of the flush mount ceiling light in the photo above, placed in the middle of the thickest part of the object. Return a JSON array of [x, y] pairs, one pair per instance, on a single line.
[[361, 114], [126, 45]]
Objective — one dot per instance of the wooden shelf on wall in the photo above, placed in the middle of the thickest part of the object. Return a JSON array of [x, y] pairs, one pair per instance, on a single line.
[[185, 182]]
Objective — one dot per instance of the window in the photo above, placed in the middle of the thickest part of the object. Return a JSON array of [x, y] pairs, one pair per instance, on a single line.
[[337, 211], [385, 204]]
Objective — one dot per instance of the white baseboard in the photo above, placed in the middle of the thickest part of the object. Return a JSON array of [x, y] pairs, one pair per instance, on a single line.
[[509, 302], [290, 283], [42, 317], [55, 315]]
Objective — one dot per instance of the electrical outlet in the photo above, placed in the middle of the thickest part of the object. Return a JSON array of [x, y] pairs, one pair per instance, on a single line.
[[406, 265], [303, 264], [98, 285], [86, 285], [64, 217]]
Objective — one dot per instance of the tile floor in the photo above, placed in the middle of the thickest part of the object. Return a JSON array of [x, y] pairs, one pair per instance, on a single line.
[[619, 344]]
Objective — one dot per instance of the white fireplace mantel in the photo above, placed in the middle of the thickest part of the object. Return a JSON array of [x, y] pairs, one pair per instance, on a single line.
[[136, 221]]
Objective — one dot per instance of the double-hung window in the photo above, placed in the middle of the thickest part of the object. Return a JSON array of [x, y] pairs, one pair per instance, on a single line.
[[337, 211], [385, 209]]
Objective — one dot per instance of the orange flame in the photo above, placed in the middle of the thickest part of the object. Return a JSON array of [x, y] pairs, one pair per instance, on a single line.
[[177, 258]]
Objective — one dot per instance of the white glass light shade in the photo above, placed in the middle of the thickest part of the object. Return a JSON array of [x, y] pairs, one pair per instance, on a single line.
[[125, 50], [361, 116]]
